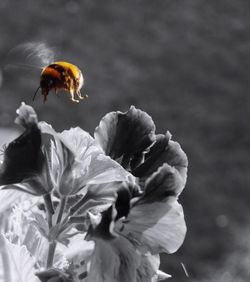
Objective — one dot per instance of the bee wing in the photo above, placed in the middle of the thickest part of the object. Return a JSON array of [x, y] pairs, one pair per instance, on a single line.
[[29, 55], [25, 61]]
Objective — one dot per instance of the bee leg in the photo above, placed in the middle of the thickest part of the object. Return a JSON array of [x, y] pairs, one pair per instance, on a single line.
[[72, 96], [45, 93], [56, 91], [45, 98], [80, 95]]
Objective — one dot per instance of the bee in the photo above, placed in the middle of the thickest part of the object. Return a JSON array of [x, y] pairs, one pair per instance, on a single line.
[[61, 75], [55, 75]]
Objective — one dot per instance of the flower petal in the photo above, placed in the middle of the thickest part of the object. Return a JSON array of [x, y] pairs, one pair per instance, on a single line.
[[23, 157], [123, 259], [163, 151], [147, 272], [6, 136], [114, 261], [164, 228], [155, 227], [166, 181], [126, 135]]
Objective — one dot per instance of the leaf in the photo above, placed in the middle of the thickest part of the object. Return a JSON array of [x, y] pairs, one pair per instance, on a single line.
[[17, 265]]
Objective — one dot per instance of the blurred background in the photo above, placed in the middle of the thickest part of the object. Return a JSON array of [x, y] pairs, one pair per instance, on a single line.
[[187, 64]]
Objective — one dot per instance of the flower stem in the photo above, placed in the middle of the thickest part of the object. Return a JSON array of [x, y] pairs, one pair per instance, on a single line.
[[83, 202], [61, 209], [79, 204], [51, 253], [49, 208]]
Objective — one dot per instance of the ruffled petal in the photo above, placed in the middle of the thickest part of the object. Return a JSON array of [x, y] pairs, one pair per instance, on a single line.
[[163, 151], [126, 135]]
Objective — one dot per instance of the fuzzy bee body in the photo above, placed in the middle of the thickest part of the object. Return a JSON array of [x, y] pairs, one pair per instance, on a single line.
[[61, 75]]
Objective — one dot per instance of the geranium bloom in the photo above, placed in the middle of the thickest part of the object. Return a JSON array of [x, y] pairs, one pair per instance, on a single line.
[[120, 189]]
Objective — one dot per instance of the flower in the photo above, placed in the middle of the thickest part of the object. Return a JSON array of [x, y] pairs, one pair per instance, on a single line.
[[136, 228], [122, 187]]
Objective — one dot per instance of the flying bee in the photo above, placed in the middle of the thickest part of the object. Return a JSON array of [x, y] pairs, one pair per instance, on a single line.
[[55, 75], [61, 75]]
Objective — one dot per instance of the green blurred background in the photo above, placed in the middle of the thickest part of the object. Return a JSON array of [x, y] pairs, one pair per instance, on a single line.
[[187, 64]]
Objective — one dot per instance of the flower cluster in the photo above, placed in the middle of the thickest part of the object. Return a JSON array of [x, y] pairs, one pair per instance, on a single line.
[[100, 208]]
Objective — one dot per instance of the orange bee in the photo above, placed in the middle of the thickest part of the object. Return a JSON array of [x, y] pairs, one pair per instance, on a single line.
[[54, 76], [61, 75]]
